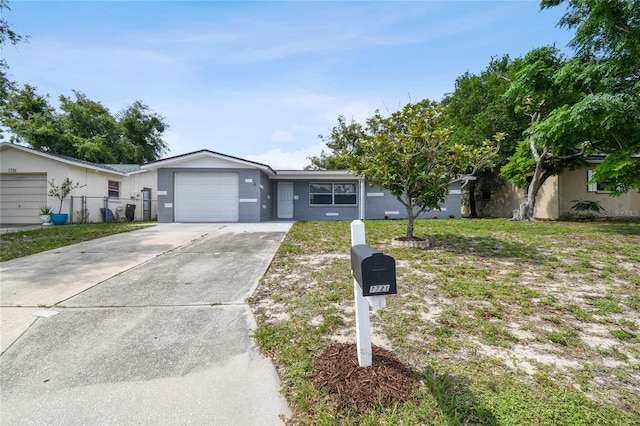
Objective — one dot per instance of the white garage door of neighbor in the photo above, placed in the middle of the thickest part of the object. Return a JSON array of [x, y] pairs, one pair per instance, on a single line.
[[206, 197], [21, 196]]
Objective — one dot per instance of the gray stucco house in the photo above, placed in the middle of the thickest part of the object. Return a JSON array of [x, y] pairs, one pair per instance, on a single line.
[[207, 186]]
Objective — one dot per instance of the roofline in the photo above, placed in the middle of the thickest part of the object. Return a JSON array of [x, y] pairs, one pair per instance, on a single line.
[[314, 174], [169, 160], [600, 157], [51, 156]]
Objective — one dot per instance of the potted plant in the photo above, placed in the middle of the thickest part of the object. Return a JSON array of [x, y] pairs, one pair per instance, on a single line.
[[61, 192], [45, 215]]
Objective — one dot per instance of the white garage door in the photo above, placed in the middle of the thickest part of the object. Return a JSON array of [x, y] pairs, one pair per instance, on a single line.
[[206, 197], [21, 196]]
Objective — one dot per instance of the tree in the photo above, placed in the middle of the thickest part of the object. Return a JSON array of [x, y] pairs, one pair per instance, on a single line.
[[63, 190], [83, 128], [478, 109], [343, 137], [410, 154], [607, 70], [586, 104], [33, 121], [539, 94], [6, 34], [142, 132], [89, 130], [607, 29]]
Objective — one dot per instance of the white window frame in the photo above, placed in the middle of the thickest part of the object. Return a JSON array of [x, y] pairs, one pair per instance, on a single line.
[[110, 190], [333, 194]]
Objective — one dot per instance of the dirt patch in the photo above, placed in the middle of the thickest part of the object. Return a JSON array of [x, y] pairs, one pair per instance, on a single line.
[[557, 306], [352, 388]]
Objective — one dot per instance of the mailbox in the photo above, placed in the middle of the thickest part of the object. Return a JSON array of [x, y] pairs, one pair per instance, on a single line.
[[374, 271]]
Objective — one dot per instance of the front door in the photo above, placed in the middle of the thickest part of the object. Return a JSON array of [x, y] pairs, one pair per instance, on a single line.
[[285, 200], [146, 204]]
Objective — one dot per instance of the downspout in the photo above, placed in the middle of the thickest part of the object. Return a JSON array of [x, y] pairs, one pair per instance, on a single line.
[[362, 197]]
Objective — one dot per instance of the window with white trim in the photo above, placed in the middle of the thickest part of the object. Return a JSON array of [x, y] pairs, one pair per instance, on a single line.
[[114, 190], [332, 194]]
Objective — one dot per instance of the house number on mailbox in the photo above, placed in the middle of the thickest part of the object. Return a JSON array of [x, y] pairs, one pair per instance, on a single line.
[[379, 288]]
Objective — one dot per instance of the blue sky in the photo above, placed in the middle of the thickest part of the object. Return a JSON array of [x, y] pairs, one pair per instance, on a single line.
[[261, 80]]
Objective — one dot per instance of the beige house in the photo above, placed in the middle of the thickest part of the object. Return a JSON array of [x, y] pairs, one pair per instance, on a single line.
[[557, 195], [24, 173]]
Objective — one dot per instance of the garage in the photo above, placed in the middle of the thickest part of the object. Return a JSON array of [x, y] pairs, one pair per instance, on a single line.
[[22, 196], [206, 197]]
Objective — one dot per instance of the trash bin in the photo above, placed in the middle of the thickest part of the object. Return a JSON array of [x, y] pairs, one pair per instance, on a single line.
[[130, 212], [107, 215]]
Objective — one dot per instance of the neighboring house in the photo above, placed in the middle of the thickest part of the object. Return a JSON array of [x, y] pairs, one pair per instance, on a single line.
[[202, 186], [24, 173], [206, 186], [558, 195]]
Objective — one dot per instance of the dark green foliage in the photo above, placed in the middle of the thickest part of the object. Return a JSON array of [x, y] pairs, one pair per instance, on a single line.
[[476, 110], [83, 128], [343, 138]]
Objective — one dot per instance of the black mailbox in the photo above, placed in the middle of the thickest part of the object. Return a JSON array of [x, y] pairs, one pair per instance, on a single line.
[[374, 271]]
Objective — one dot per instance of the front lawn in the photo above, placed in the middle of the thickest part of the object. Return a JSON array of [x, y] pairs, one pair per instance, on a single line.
[[501, 322], [24, 243]]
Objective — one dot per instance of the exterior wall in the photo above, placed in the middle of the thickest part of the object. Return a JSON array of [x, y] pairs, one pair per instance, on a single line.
[[556, 196], [380, 203], [509, 198], [166, 188], [131, 192], [248, 186], [547, 200], [95, 181], [377, 203], [302, 210], [502, 202], [266, 205], [573, 186], [249, 191]]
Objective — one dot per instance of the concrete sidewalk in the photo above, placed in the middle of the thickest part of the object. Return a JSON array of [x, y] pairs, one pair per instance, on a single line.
[[151, 328]]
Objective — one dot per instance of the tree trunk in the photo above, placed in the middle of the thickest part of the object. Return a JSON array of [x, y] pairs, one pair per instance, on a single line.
[[410, 220], [472, 200], [527, 208]]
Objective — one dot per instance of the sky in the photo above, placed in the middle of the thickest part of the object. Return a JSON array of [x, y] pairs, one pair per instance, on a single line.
[[262, 80]]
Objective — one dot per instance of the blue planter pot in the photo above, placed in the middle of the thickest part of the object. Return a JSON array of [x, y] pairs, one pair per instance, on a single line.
[[59, 218]]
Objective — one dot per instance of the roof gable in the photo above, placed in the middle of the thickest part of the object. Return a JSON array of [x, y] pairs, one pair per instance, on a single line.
[[207, 159]]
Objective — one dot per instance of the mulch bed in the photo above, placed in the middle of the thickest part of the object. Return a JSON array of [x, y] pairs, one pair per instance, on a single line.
[[386, 382]]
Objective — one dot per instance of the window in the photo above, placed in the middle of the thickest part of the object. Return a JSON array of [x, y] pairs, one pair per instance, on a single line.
[[114, 190], [332, 194], [596, 186]]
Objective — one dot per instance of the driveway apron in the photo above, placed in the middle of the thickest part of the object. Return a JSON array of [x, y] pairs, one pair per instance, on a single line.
[[150, 327]]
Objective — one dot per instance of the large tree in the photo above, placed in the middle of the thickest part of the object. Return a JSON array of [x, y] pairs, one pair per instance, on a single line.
[[89, 131], [13, 38], [540, 94], [142, 131], [411, 154], [83, 128], [586, 104], [477, 109], [607, 70]]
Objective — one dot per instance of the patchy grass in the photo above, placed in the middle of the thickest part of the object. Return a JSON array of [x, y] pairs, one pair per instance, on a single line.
[[503, 322], [24, 243]]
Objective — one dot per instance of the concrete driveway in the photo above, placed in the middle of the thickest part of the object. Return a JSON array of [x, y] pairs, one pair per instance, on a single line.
[[147, 327]]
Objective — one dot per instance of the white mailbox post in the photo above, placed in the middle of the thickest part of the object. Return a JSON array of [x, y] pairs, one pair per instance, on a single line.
[[376, 279]]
